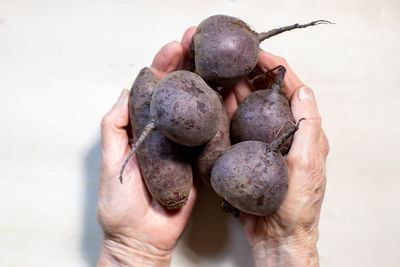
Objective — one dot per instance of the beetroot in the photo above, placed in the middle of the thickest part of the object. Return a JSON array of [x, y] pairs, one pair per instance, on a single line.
[[165, 168], [252, 176], [263, 114], [184, 109], [226, 49]]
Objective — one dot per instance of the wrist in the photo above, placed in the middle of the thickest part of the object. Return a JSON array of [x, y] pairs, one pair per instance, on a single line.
[[297, 249], [122, 252]]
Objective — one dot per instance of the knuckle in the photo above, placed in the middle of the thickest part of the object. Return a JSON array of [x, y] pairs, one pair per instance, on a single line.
[[174, 44], [301, 162], [313, 122], [310, 164], [106, 121], [324, 145], [282, 61], [99, 213]]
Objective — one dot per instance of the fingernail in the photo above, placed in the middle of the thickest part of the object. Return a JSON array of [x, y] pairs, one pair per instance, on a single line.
[[305, 93], [123, 96]]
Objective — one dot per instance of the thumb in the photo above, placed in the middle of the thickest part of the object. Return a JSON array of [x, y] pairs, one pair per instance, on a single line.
[[114, 138]]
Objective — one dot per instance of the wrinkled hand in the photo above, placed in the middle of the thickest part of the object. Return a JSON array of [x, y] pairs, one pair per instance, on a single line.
[[137, 230], [288, 237]]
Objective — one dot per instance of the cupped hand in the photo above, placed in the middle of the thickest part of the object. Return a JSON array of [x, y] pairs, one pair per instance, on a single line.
[[288, 237], [137, 230]]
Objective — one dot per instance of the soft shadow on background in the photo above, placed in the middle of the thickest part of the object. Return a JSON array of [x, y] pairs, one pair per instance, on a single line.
[[207, 231], [92, 235], [210, 232]]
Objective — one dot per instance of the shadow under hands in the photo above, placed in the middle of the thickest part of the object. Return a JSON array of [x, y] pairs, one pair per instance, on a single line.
[[206, 233], [92, 234], [212, 234]]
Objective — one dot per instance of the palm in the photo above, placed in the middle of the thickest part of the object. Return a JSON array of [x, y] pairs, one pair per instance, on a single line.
[[133, 213], [300, 208]]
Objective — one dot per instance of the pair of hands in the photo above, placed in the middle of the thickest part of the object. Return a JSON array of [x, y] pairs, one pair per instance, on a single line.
[[139, 232]]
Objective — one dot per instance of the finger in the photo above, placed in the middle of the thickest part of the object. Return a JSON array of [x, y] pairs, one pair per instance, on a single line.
[[241, 90], [167, 59], [291, 82], [306, 141], [187, 209], [178, 217], [114, 139], [324, 144], [115, 147], [229, 101], [249, 223], [187, 39], [186, 62]]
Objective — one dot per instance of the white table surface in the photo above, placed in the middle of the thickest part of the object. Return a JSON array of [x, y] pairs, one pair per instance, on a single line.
[[64, 63]]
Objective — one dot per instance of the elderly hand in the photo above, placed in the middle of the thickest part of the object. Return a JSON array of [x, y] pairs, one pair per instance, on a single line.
[[137, 230], [288, 237]]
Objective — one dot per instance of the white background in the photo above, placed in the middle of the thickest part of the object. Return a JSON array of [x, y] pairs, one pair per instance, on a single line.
[[64, 63]]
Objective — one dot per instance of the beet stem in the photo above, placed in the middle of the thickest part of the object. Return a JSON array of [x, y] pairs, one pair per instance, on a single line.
[[150, 127], [277, 86], [265, 35], [275, 145], [280, 129], [262, 75]]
